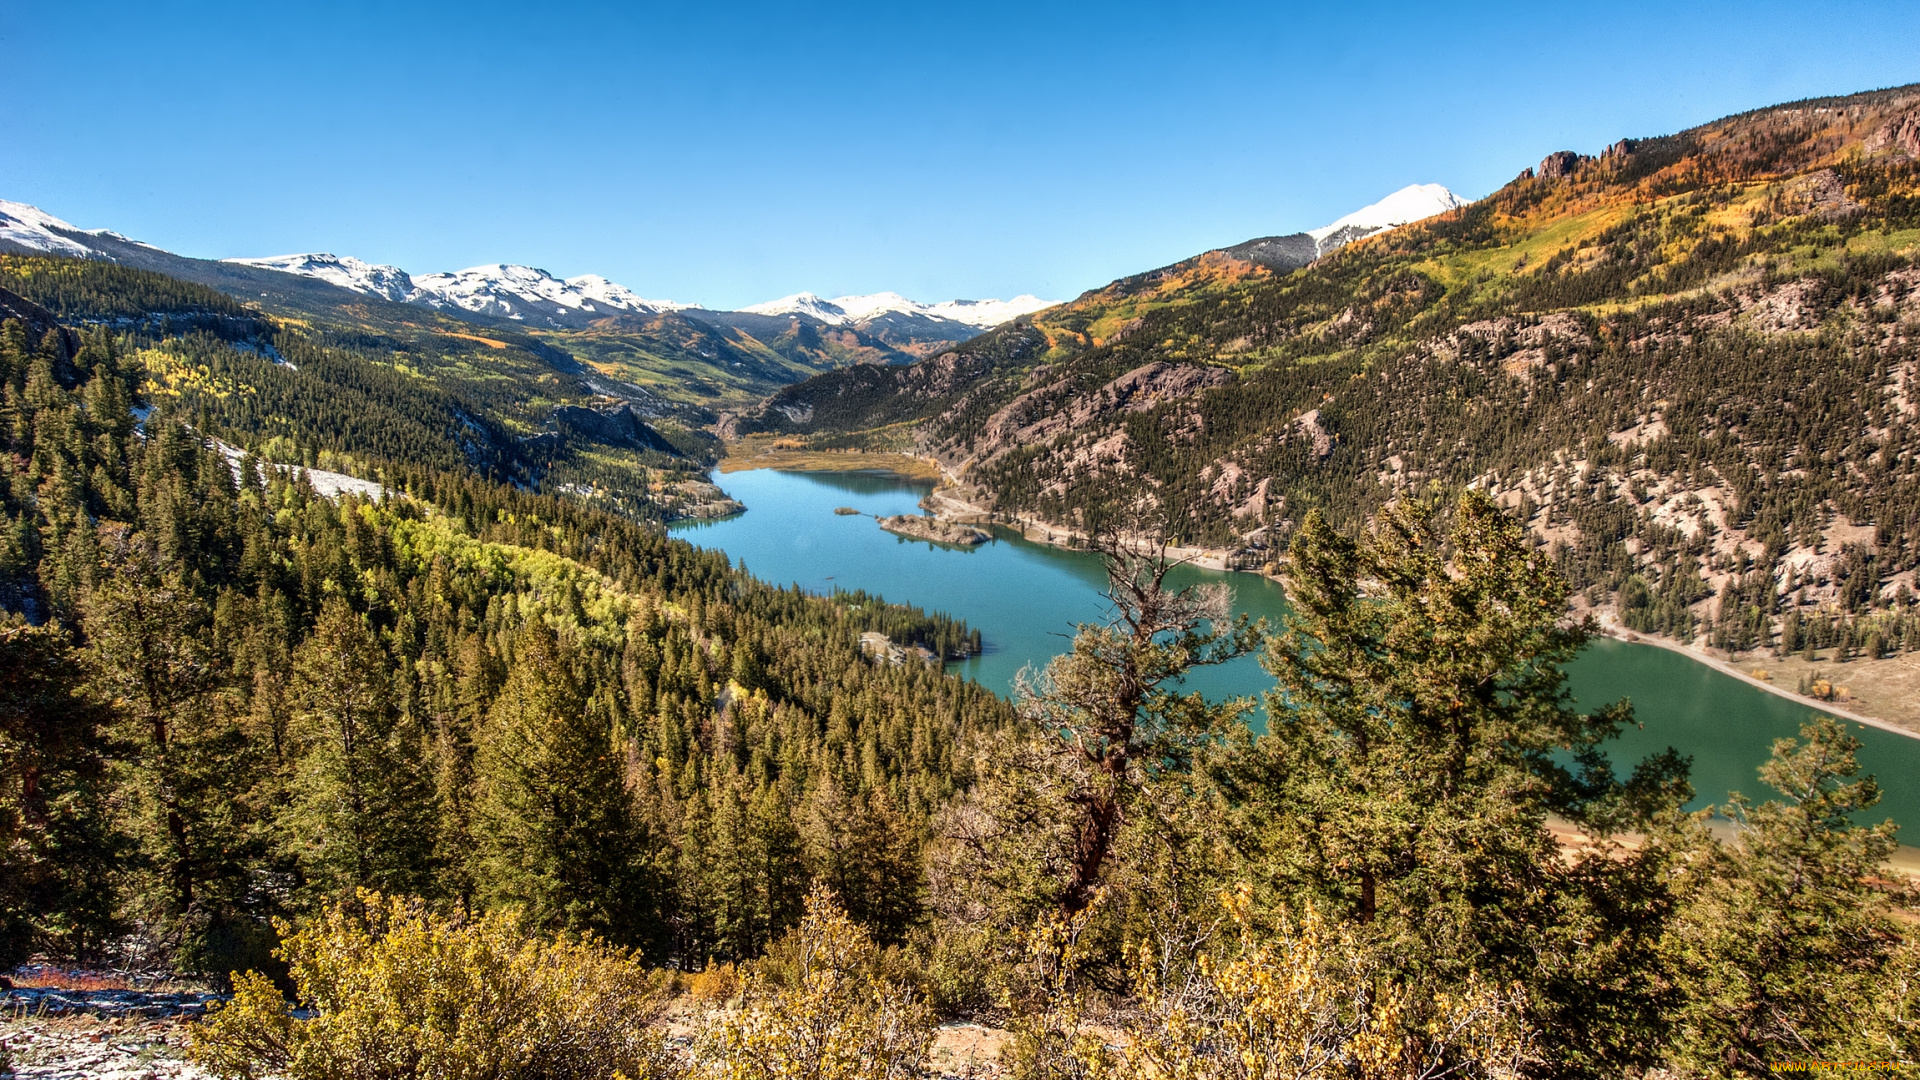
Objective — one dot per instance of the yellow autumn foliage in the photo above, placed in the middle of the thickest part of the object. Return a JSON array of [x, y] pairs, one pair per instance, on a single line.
[[398, 993], [834, 1016], [1306, 1004]]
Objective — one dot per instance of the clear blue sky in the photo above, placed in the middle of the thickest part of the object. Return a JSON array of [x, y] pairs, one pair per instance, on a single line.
[[729, 153]]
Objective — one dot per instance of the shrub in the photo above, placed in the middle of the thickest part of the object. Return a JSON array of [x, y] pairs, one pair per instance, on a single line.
[[719, 982], [401, 993], [835, 1015], [1309, 1003]]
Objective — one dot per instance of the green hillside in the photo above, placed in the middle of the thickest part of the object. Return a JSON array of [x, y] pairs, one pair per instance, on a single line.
[[1692, 362], [224, 697], [364, 387]]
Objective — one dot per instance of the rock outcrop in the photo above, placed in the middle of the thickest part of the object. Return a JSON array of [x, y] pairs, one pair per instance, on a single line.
[[1558, 164], [916, 527]]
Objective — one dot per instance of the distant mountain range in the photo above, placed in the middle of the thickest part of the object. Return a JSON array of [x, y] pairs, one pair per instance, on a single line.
[[501, 290], [529, 295], [659, 354], [532, 296], [854, 310]]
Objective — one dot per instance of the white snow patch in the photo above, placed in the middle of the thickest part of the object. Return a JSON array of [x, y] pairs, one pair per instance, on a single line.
[[1414, 202], [493, 290], [504, 289], [374, 279], [31, 227], [847, 310]]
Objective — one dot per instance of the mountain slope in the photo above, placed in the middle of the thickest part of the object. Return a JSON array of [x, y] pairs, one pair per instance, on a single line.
[[366, 385], [895, 321], [1692, 361], [1414, 202], [656, 351]]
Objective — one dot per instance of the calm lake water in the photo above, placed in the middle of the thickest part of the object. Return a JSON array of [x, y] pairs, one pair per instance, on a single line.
[[1025, 599]]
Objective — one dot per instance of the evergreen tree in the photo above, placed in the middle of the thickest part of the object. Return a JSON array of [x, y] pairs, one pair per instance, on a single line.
[[1421, 734], [189, 767], [362, 811], [58, 842], [1786, 945], [555, 823], [1103, 732]]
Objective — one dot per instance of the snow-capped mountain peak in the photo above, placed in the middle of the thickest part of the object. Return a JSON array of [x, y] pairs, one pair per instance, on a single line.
[[512, 291], [32, 228], [847, 310], [988, 313], [804, 303], [29, 228], [375, 279], [1411, 203], [503, 290]]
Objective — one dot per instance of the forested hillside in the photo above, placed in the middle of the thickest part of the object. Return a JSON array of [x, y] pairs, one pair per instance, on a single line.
[[365, 396], [229, 697], [1690, 362]]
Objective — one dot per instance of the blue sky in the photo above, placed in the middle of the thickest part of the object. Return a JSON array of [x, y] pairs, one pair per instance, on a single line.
[[729, 153]]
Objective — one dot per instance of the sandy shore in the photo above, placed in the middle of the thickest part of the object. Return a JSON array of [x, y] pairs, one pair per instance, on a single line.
[[1614, 630]]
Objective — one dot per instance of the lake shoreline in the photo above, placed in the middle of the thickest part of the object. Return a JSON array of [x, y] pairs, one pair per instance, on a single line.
[[1613, 630], [1026, 596], [944, 502], [947, 504]]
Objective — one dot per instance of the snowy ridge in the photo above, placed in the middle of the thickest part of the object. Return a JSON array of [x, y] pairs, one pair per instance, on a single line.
[[847, 310], [1411, 203], [386, 282], [29, 227], [501, 289], [510, 291]]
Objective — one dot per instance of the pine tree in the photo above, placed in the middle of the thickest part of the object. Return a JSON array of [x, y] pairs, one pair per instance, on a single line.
[[1101, 730], [189, 767], [1786, 942], [58, 843], [1420, 736], [858, 846], [554, 821], [362, 813]]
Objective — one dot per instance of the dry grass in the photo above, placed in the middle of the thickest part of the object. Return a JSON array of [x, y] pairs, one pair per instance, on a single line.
[[1883, 689], [49, 978], [787, 457]]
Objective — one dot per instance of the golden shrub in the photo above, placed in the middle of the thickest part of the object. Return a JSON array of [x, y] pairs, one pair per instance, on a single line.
[[1310, 1003], [719, 982], [1052, 1039], [400, 993], [834, 1017]]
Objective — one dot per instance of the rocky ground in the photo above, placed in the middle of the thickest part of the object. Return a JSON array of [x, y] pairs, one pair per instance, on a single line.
[[46, 1047], [916, 527], [57, 1024], [61, 1033]]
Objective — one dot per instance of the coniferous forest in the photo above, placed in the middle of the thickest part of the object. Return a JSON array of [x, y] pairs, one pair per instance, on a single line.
[[468, 770]]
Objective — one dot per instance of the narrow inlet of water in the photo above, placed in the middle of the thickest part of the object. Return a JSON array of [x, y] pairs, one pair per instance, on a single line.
[[1026, 598]]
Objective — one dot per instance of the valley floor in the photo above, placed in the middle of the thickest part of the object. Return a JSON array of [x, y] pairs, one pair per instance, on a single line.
[[751, 453]]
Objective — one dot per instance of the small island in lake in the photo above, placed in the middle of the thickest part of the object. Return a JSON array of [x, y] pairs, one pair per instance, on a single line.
[[845, 511], [917, 527]]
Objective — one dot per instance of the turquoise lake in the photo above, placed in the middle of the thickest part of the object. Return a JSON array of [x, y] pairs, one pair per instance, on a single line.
[[1025, 599]]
